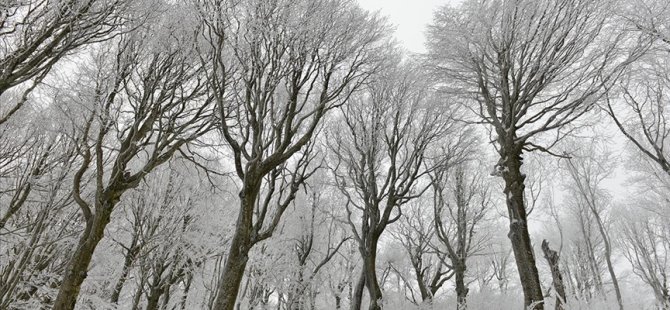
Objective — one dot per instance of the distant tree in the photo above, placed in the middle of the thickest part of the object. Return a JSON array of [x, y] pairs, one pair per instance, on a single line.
[[587, 173], [461, 203], [416, 233], [646, 245], [379, 155]]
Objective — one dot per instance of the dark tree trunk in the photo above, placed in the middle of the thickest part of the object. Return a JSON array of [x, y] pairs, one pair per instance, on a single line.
[[153, 298], [518, 228], [461, 289], [187, 289], [369, 254], [357, 296], [127, 263], [553, 260], [77, 268], [236, 262], [338, 302]]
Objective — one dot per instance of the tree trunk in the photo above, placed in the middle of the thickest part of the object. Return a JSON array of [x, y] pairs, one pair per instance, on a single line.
[[187, 289], [81, 259], [370, 272], [338, 301], [553, 260], [608, 256], [153, 298], [357, 298], [461, 289], [518, 230], [127, 263], [236, 263]]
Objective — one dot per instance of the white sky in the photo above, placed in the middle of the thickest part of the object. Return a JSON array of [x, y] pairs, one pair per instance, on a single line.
[[410, 18]]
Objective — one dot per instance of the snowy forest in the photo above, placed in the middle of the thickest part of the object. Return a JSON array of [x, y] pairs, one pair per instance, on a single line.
[[292, 155]]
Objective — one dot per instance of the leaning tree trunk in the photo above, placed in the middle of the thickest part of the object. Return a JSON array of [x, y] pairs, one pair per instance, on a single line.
[[132, 252], [77, 268], [518, 228], [236, 262], [553, 260]]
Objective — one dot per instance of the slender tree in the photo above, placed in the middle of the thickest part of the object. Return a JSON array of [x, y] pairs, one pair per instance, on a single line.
[[381, 153], [460, 203]]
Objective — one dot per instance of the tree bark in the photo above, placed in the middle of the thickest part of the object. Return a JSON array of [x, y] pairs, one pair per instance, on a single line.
[[127, 263], [553, 260], [77, 268], [370, 272], [357, 298], [236, 262], [518, 229], [461, 289]]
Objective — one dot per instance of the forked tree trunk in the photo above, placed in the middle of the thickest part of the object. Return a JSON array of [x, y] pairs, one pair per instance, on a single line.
[[518, 229], [77, 268]]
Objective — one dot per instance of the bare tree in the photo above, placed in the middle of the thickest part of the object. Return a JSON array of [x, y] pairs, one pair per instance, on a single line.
[[646, 245], [416, 233], [460, 203], [309, 260], [36, 34], [532, 68], [381, 153], [275, 69], [586, 176], [146, 100]]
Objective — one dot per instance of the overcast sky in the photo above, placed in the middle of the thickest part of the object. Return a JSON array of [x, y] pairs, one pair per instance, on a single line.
[[410, 17]]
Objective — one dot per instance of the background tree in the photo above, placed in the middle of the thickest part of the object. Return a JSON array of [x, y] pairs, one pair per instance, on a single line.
[[461, 201], [587, 175], [380, 155]]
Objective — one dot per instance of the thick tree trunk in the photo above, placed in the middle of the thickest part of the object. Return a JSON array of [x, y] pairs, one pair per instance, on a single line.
[[461, 289], [518, 230], [77, 268], [153, 298], [357, 296], [553, 260], [236, 262], [370, 272]]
